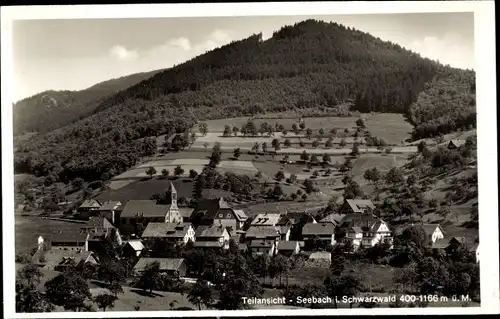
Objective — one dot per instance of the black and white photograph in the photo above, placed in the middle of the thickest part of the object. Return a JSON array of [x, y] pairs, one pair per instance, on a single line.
[[176, 160]]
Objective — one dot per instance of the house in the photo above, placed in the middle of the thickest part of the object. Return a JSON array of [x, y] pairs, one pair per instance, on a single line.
[[70, 240], [217, 211], [242, 247], [172, 266], [111, 210], [60, 260], [177, 233], [368, 228], [208, 236], [296, 217], [262, 232], [352, 206], [433, 232], [334, 218], [88, 208], [325, 232], [266, 220], [263, 247], [133, 248], [289, 248], [454, 144], [284, 231], [142, 211]]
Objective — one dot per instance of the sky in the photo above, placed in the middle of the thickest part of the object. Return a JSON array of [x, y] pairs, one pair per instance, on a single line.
[[74, 54]]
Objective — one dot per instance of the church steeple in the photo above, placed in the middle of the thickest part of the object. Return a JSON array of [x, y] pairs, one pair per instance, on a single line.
[[173, 196]]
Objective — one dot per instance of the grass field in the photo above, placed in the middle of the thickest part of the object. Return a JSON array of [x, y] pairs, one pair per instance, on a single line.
[[392, 127]]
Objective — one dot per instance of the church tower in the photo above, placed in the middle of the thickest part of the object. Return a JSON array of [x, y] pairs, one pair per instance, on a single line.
[[173, 214]]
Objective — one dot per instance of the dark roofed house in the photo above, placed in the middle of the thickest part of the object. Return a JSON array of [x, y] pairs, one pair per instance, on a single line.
[[323, 231], [180, 233], [60, 260], [356, 206], [295, 217], [69, 240], [143, 210], [111, 210], [262, 232], [172, 266], [334, 218], [262, 247], [88, 208], [284, 232], [289, 248], [212, 236], [217, 211], [454, 144], [434, 232]]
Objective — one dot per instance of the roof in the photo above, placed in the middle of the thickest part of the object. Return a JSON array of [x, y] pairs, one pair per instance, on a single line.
[[57, 257], [214, 231], [262, 232], [360, 205], [111, 205], [240, 215], [333, 218], [460, 239], [137, 245], [284, 229], [242, 247], [90, 203], [318, 229], [266, 219], [364, 221], [165, 263], [430, 228], [261, 243], [146, 208], [207, 244], [457, 143], [186, 212], [356, 229], [210, 207], [166, 230], [288, 245], [295, 217], [321, 255], [441, 243], [71, 236], [98, 222]]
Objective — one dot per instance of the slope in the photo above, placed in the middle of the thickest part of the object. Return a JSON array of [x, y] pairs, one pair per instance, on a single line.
[[49, 110]]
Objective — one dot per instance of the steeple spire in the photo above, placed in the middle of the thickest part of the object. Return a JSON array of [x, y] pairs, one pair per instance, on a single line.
[[173, 196]]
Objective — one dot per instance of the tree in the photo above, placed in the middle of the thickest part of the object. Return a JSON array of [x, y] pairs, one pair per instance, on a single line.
[[304, 197], [151, 171], [287, 143], [302, 125], [203, 127], [115, 288], [280, 175], [255, 147], [264, 147], [326, 158], [227, 131], [235, 130], [321, 132], [355, 150], [304, 156], [360, 123], [411, 180], [150, 278], [315, 173], [343, 286], [315, 143], [314, 159], [372, 174], [193, 136], [293, 178], [353, 190], [28, 298], [333, 131], [308, 133], [192, 173], [201, 294], [301, 143], [216, 155], [237, 153], [394, 176], [329, 143], [205, 145], [178, 170], [284, 132], [69, 290], [104, 301], [77, 183], [342, 143], [421, 146], [165, 172], [308, 184], [295, 128]]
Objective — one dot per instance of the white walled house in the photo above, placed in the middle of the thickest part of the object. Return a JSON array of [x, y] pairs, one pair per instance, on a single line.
[[180, 233], [364, 230], [434, 232], [212, 236]]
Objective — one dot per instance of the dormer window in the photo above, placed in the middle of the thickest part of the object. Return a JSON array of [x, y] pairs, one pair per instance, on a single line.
[[221, 215]]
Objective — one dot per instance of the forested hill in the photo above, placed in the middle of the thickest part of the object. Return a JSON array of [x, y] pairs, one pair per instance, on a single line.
[[49, 110], [309, 64]]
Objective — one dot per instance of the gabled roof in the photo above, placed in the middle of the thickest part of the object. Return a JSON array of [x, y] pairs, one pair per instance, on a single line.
[[360, 205], [441, 243], [288, 245], [318, 229], [214, 231], [69, 236], [165, 263], [355, 229], [457, 143], [259, 243], [90, 203], [362, 220], [98, 222], [111, 205], [186, 212], [266, 220], [137, 245], [209, 208], [295, 217], [240, 215], [262, 232], [145, 208], [459, 239], [333, 218], [166, 230], [430, 228], [284, 229]]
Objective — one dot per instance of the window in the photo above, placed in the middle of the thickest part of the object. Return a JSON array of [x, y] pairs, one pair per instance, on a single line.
[[229, 215], [221, 215]]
